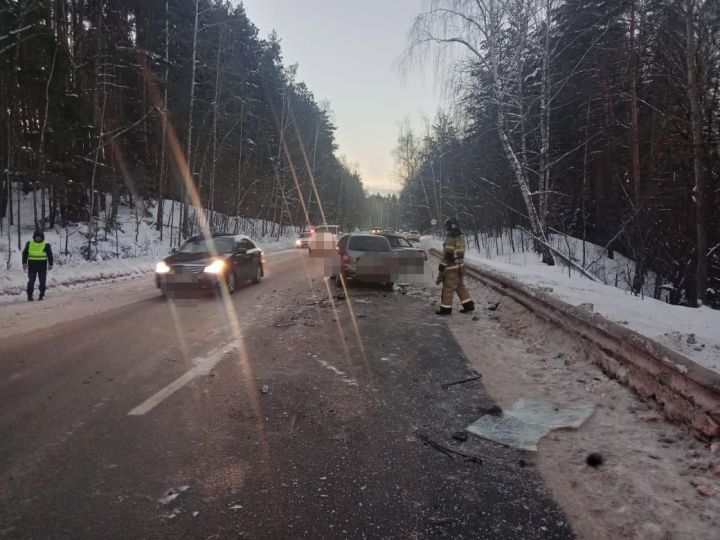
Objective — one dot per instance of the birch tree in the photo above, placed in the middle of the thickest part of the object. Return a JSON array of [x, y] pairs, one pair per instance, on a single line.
[[477, 26]]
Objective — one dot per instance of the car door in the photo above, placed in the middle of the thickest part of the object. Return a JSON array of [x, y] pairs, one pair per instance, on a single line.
[[254, 257], [243, 259]]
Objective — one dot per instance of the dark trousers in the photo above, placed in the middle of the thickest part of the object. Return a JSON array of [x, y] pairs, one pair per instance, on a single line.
[[36, 269]]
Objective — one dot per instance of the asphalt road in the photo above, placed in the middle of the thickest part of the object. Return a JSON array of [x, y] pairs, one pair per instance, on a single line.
[[150, 420]]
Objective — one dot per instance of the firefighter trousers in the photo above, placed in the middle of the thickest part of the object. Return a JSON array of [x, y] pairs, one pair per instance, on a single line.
[[453, 283]]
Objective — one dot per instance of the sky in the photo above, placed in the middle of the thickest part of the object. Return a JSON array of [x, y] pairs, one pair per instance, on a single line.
[[347, 52]]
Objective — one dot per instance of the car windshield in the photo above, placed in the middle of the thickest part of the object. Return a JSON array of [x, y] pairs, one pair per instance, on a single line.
[[397, 241], [200, 245], [369, 243]]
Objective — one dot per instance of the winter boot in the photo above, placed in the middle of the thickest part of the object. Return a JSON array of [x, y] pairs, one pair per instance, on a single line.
[[468, 307], [444, 311], [41, 297], [30, 299]]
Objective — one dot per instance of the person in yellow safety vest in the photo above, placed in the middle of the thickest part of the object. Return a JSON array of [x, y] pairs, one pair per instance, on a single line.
[[37, 259], [450, 270]]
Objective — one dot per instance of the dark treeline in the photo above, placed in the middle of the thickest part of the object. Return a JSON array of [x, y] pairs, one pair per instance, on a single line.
[[595, 118], [105, 101]]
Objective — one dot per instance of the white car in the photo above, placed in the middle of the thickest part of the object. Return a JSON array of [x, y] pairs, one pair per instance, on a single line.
[[413, 236], [323, 240]]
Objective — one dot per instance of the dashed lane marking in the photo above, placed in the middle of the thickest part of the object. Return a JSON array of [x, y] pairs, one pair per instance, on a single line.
[[203, 366]]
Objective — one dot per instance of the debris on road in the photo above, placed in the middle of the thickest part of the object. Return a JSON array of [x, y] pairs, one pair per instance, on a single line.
[[705, 491], [460, 436], [264, 389], [594, 460], [445, 386], [173, 494], [528, 421], [494, 306], [449, 452]]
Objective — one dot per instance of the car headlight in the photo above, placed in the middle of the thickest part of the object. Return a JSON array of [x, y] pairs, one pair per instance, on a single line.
[[215, 267], [298, 242], [162, 268]]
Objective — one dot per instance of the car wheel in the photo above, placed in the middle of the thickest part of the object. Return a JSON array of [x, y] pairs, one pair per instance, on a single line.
[[389, 286], [258, 274], [231, 282]]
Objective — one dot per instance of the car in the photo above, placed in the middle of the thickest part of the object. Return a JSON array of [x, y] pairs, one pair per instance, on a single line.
[[413, 236], [367, 258], [411, 261], [400, 243], [387, 231], [206, 263], [323, 240], [376, 230], [303, 239]]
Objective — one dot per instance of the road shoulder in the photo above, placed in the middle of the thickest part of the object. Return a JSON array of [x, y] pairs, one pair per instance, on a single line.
[[653, 476]]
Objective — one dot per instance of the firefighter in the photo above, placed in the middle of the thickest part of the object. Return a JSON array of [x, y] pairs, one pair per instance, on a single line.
[[450, 270], [37, 259]]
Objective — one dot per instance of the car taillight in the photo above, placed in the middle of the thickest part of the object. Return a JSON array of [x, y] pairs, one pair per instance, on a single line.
[[345, 258]]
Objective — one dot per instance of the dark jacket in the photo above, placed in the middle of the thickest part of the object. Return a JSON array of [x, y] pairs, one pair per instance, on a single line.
[[48, 250]]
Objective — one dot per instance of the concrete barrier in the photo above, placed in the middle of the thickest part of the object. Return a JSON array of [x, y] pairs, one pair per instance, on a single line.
[[685, 391]]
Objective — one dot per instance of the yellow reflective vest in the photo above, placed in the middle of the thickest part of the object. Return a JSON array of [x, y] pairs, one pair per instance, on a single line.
[[36, 251]]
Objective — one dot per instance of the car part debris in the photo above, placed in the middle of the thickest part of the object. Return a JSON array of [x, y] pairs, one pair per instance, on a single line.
[[528, 420], [449, 452], [447, 385], [594, 460]]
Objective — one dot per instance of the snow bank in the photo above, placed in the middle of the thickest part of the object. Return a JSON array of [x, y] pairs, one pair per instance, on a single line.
[[130, 250], [689, 331]]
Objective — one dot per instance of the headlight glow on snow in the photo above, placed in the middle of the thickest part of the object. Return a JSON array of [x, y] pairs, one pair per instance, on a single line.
[[215, 267], [162, 268]]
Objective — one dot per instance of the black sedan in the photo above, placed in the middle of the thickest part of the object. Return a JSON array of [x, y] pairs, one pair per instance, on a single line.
[[205, 263]]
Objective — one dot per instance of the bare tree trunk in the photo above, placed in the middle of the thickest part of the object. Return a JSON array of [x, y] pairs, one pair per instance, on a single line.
[[545, 100], [211, 198], [163, 165], [701, 182], [189, 180], [634, 126], [520, 177]]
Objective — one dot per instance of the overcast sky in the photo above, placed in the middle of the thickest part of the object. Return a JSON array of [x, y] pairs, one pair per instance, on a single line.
[[346, 51]]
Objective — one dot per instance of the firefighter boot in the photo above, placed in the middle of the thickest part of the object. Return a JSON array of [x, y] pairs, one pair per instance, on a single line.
[[444, 311], [468, 307]]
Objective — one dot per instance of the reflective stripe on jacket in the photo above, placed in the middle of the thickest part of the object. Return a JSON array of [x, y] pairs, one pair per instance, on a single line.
[[453, 252], [36, 251]]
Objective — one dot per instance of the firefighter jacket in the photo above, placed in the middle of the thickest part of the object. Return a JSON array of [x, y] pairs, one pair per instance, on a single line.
[[453, 252]]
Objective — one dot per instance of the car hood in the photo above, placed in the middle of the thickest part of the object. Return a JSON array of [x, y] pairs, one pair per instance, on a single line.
[[191, 259]]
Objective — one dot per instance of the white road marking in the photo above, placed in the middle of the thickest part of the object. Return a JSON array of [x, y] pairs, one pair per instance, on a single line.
[[343, 376], [203, 366]]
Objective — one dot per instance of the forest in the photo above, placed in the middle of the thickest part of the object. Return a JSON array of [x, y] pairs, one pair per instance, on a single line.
[[160, 102], [599, 119]]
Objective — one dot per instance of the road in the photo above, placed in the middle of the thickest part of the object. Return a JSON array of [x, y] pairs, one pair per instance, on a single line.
[[149, 420]]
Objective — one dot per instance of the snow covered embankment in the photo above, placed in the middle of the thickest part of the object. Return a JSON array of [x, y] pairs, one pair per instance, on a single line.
[[688, 331], [129, 252]]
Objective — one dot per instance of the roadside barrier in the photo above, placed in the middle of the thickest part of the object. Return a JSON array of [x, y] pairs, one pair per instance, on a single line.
[[685, 391]]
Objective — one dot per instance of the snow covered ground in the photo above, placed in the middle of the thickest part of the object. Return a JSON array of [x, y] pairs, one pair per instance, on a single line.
[[131, 251], [691, 332]]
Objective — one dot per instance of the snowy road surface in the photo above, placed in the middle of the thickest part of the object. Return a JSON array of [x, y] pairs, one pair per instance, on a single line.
[[286, 413]]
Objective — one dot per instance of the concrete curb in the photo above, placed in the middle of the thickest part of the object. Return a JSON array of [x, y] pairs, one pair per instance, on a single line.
[[687, 392]]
